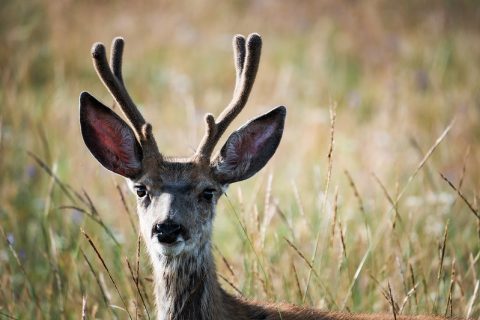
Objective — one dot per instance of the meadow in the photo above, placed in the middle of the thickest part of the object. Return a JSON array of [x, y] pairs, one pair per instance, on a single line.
[[369, 205]]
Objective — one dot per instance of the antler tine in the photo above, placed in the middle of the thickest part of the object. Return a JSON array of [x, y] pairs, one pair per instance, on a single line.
[[111, 77], [116, 57], [247, 58], [114, 85], [239, 57], [247, 78]]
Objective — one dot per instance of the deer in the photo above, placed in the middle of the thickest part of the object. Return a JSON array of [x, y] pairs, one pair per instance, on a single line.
[[177, 196]]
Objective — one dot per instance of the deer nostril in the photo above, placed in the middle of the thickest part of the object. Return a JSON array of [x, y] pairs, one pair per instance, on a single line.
[[157, 228], [167, 232]]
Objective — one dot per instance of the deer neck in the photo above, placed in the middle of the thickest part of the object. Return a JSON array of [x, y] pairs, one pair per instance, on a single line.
[[186, 286]]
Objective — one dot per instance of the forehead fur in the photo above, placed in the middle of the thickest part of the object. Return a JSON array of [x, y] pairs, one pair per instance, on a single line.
[[174, 171]]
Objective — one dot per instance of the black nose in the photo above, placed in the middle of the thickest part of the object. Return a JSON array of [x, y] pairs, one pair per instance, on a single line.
[[167, 232]]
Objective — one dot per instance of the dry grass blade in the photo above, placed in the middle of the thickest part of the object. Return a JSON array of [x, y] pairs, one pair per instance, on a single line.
[[225, 261], [64, 187], [335, 212], [135, 281], [92, 207], [298, 199], [106, 299], [342, 240], [471, 303], [355, 277], [392, 302], [301, 256], [297, 280], [137, 258], [449, 306], [95, 218], [51, 246], [31, 290], [333, 116], [356, 193], [288, 224], [407, 297], [464, 166], [108, 271], [84, 308], [244, 230], [268, 213], [442, 250], [360, 203], [423, 161], [414, 285], [2, 314], [1, 137], [460, 194], [382, 290], [389, 198], [463, 172], [231, 284], [127, 210], [421, 153], [49, 171], [478, 228], [137, 271], [472, 268]]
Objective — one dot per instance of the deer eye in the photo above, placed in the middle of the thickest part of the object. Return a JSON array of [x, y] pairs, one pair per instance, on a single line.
[[141, 191], [207, 194]]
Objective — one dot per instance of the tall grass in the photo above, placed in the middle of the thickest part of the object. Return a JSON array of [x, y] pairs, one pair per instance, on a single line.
[[368, 206]]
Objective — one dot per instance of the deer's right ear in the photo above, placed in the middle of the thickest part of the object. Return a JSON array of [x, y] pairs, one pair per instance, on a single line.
[[110, 139]]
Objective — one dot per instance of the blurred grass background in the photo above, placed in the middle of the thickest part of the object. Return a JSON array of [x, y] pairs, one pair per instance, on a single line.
[[370, 227]]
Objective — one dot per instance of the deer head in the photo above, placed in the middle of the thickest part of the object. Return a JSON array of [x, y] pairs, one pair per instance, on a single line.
[[176, 197]]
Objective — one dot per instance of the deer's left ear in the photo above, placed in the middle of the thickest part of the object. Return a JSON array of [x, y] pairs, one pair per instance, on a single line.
[[248, 149]]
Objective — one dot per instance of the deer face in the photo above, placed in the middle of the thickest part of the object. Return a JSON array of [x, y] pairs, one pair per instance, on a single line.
[[176, 205], [176, 198]]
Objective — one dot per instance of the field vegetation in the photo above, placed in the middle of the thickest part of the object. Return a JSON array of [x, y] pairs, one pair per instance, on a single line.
[[369, 205]]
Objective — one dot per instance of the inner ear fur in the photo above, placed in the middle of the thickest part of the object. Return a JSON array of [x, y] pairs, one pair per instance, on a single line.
[[248, 149], [109, 138]]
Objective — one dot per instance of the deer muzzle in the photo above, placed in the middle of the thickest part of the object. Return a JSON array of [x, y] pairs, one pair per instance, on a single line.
[[169, 232]]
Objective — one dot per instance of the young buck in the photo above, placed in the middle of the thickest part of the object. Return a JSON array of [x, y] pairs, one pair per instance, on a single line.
[[176, 197]]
